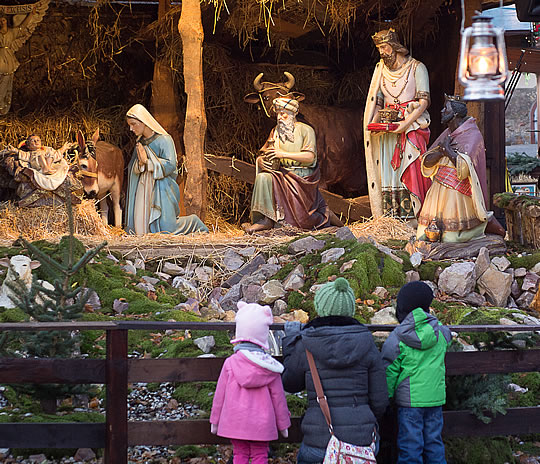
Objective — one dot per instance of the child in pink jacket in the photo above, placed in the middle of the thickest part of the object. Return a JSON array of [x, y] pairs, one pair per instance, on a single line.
[[249, 404]]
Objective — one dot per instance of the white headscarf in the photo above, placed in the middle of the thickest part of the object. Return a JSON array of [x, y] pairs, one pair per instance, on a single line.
[[140, 113]]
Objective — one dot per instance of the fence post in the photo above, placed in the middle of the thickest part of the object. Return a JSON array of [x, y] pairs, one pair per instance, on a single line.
[[117, 392]]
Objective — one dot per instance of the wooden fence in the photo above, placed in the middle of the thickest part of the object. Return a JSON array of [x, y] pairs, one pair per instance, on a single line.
[[117, 371]]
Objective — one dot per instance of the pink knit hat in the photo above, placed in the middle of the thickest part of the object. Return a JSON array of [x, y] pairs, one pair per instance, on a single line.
[[252, 324]]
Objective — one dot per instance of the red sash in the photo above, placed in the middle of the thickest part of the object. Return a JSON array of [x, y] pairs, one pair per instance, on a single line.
[[447, 176]]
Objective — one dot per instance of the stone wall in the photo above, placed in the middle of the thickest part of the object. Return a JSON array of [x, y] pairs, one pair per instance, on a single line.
[[517, 116]]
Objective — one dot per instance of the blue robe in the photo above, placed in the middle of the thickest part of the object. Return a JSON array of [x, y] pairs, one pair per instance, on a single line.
[[165, 212]]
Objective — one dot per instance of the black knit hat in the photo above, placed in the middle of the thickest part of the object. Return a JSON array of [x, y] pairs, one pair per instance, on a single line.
[[411, 296]]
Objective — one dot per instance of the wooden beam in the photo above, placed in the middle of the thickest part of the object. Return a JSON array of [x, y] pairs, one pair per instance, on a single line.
[[192, 34], [35, 370], [117, 394], [348, 209], [52, 435]]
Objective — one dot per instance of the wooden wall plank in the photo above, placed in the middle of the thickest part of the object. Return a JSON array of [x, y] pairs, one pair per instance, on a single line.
[[70, 371], [52, 435]]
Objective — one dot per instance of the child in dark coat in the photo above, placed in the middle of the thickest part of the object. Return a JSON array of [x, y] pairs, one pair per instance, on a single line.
[[415, 373]]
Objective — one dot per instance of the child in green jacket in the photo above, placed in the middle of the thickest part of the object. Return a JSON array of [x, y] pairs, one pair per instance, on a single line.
[[413, 355]]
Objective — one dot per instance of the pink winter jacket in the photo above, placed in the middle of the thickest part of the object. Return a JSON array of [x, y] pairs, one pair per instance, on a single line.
[[249, 402]]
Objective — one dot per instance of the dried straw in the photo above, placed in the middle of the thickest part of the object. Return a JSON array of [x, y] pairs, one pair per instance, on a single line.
[[49, 222], [383, 229]]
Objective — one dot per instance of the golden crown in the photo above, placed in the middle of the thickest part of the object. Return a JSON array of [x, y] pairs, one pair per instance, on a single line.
[[385, 36], [456, 98]]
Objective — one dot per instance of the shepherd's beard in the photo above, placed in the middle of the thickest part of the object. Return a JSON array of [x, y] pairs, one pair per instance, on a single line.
[[285, 130]]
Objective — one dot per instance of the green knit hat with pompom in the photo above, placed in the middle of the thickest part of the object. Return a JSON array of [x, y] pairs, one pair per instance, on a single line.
[[335, 299]]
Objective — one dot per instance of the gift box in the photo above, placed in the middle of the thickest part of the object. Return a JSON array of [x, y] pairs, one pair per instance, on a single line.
[[382, 126]]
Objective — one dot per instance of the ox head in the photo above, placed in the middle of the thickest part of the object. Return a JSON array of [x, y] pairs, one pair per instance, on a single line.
[[266, 92], [87, 163]]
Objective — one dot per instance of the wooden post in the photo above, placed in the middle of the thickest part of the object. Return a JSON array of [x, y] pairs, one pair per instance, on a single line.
[[192, 34], [165, 105], [116, 440]]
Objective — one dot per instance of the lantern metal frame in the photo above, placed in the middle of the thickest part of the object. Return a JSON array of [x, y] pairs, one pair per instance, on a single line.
[[488, 86]]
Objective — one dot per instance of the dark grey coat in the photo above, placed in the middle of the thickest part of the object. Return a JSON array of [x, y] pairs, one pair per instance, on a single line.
[[352, 375]]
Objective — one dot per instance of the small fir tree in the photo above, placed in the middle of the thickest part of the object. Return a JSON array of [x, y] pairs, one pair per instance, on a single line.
[[63, 303]]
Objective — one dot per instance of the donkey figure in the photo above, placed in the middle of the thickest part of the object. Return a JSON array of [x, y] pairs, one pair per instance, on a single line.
[[101, 165]]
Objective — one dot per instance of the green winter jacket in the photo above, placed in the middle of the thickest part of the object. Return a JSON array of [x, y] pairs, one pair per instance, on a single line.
[[413, 355]]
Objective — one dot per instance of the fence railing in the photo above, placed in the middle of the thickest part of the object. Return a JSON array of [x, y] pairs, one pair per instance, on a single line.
[[116, 371]]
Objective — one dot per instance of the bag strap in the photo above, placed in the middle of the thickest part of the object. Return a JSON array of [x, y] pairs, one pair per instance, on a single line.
[[321, 397]]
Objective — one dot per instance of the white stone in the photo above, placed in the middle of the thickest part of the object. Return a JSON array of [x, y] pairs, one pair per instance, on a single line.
[[186, 287], [530, 282], [205, 344], [412, 276], [204, 274], [501, 263], [385, 316], [344, 233], [293, 282], [416, 259], [332, 254], [247, 251], [129, 268], [496, 286], [458, 279], [347, 265], [139, 264], [306, 245], [272, 290], [381, 292], [482, 261], [172, 269], [163, 276], [535, 268], [147, 287], [232, 260]]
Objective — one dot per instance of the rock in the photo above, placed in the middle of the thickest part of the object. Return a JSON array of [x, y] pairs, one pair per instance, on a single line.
[[515, 289], [232, 260], [416, 259], [4, 452], [113, 258], [517, 388], [381, 292], [93, 299], [331, 255], [385, 316], [268, 270], [535, 268], [501, 263], [186, 287], [191, 305], [530, 282], [272, 290], [146, 287], [433, 287], [531, 320], [520, 272], [150, 280], [205, 344], [172, 404], [474, 299], [37, 458], [315, 287], [84, 455], [247, 269], [172, 269], [247, 252], [511, 303], [412, 276], [495, 285], [164, 276], [273, 260], [301, 316], [293, 282], [525, 300], [129, 268], [344, 233], [229, 316], [120, 305], [279, 307], [482, 261], [506, 321], [252, 293], [437, 274], [347, 265], [211, 313], [139, 264], [229, 300], [285, 259], [519, 344], [458, 279], [204, 274], [306, 245], [511, 272]]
